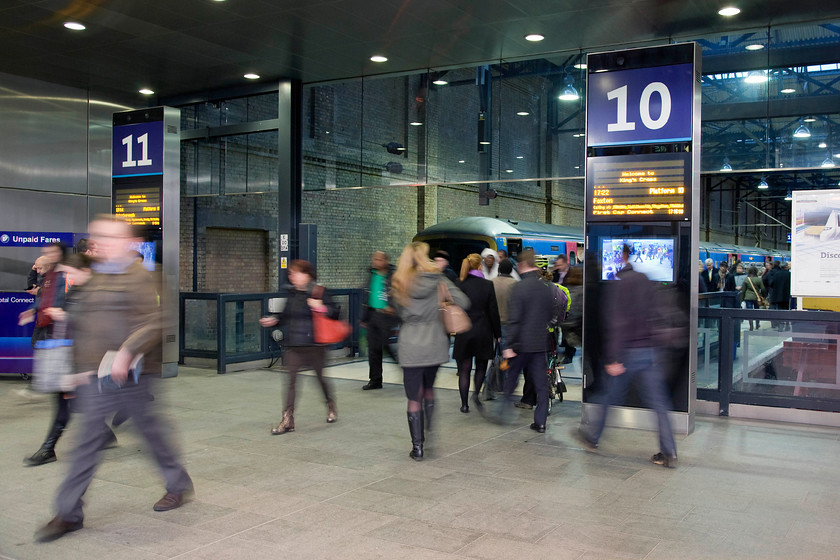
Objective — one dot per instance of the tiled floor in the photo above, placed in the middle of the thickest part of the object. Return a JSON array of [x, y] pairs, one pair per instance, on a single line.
[[743, 489]]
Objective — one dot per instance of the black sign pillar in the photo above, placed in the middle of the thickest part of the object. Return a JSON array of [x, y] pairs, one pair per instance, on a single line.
[[642, 190]]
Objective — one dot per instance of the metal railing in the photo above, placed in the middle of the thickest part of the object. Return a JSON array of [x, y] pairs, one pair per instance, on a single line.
[[775, 358], [224, 327]]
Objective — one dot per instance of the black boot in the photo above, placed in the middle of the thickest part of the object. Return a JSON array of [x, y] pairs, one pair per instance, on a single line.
[[428, 410], [415, 428], [46, 454]]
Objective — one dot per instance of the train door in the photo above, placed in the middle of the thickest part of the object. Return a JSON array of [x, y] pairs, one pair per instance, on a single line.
[[514, 246]]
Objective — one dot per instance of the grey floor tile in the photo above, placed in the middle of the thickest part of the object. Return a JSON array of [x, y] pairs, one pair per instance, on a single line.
[[426, 535]]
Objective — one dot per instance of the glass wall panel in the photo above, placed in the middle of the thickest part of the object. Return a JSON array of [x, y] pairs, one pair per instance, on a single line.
[[242, 329]]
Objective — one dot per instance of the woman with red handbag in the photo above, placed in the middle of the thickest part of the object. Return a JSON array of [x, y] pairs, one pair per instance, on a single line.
[[423, 343], [302, 349]]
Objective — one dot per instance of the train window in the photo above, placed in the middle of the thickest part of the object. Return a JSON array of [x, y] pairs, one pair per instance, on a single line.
[[514, 246], [458, 249]]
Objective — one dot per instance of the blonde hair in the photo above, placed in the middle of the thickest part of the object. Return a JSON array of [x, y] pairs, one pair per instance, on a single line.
[[472, 262], [414, 259]]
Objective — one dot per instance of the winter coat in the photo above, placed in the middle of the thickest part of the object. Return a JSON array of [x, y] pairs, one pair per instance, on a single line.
[[297, 316], [484, 315]]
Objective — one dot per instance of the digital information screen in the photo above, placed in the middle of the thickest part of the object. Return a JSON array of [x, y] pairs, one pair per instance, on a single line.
[[651, 187], [139, 205]]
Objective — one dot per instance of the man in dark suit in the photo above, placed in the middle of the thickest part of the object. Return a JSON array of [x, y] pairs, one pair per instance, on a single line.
[[711, 276]]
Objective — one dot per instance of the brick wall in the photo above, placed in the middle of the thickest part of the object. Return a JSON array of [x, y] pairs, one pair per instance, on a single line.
[[235, 260]]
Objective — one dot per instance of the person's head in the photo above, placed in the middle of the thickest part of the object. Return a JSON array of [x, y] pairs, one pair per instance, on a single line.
[[40, 265], [739, 268], [52, 255], [442, 259], [82, 245], [489, 259], [379, 260], [472, 262], [527, 261], [701, 266], [111, 238], [710, 264], [505, 267], [136, 255], [768, 265], [77, 267], [777, 265], [561, 263], [574, 277], [502, 255], [724, 267], [786, 265], [301, 273], [625, 253], [414, 259], [753, 271]]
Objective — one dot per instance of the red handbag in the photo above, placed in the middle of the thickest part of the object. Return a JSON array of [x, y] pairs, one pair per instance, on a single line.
[[326, 330]]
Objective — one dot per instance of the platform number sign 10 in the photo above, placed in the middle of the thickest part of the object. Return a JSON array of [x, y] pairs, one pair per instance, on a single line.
[[143, 145], [643, 105]]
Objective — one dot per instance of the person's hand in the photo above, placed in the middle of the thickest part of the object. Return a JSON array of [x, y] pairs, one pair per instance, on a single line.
[[56, 313], [615, 368], [119, 369], [508, 354], [268, 321], [26, 317], [316, 305]]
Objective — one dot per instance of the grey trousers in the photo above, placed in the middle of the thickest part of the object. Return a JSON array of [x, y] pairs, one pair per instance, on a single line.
[[134, 400]]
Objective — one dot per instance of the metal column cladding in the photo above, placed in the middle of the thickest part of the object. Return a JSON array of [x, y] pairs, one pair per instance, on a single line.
[[289, 163], [642, 190], [145, 190]]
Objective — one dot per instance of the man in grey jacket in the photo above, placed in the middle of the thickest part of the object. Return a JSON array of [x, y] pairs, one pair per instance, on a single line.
[[533, 305]]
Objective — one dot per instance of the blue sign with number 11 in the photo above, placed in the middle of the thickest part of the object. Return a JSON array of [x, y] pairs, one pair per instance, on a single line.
[[137, 149], [640, 106]]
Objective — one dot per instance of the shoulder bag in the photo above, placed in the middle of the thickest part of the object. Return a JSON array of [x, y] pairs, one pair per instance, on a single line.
[[326, 330], [758, 299], [454, 319], [53, 362]]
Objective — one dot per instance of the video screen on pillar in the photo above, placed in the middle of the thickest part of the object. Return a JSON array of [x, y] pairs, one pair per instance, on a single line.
[[139, 203], [651, 187]]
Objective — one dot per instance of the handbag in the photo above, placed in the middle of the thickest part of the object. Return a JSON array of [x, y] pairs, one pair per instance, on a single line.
[[326, 330], [53, 361], [454, 319], [495, 381], [760, 301]]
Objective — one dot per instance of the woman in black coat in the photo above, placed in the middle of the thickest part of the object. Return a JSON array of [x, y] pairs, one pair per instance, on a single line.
[[486, 329], [305, 298]]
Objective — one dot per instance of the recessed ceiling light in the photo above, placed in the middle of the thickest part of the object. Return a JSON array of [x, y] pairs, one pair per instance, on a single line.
[[440, 82], [147, 91], [523, 113], [754, 47], [822, 145], [484, 143], [520, 157], [577, 166], [729, 11], [461, 161], [416, 123], [578, 135], [379, 58], [534, 37], [756, 77], [508, 170], [809, 119], [74, 25], [580, 66], [251, 76], [788, 90]]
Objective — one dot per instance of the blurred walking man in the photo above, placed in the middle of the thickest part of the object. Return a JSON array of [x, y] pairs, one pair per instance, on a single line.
[[117, 310], [631, 357]]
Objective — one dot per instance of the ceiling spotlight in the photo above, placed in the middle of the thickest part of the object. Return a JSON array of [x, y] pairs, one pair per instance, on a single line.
[[74, 25], [147, 91], [578, 135], [580, 66], [534, 37], [756, 77], [461, 161], [788, 90], [520, 157], [484, 143], [569, 92], [440, 82], [523, 113], [802, 131], [809, 119], [763, 184], [729, 11], [754, 47], [251, 76], [726, 166], [788, 196], [508, 170], [822, 145], [416, 123], [379, 58], [827, 162]]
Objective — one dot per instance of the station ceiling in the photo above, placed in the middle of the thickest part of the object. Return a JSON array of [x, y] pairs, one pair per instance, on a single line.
[[179, 47]]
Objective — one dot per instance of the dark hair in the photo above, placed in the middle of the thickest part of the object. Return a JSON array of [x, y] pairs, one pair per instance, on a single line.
[[82, 245], [626, 250], [505, 267], [752, 271], [528, 257], [561, 257], [303, 266], [574, 277], [60, 246], [441, 255], [78, 260]]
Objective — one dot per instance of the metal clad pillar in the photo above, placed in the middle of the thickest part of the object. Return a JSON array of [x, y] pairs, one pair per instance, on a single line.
[[290, 179]]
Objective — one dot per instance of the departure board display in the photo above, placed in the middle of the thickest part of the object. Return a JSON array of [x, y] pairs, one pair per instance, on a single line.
[[138, 204], [638, 187]]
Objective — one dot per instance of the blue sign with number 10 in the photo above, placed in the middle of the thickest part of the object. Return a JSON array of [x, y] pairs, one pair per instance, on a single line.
[[640, 106]]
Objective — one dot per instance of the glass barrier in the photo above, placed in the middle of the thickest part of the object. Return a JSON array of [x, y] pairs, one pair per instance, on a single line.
[[243, 333], [199, 320]]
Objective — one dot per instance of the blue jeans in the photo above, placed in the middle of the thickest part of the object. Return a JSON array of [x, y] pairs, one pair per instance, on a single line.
[[641, 365]]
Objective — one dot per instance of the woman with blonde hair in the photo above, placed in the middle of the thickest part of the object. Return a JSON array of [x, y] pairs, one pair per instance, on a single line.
[[423, 342], [486, 329]]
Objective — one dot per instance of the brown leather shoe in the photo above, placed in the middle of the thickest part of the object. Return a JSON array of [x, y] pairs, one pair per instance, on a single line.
[[56, 529], [169, 502], [287, 425]]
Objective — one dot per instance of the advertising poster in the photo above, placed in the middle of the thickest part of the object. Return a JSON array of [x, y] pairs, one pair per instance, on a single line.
[[815, 243], [15, 340]]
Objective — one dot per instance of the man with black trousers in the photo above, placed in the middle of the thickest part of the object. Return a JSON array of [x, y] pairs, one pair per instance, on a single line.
[[378, 316], [533, 305]]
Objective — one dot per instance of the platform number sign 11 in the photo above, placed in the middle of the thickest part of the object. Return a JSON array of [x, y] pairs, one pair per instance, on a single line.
[[645, 105], [138, 149]]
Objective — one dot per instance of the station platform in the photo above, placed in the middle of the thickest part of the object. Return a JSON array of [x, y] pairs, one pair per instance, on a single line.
[[743, 489]]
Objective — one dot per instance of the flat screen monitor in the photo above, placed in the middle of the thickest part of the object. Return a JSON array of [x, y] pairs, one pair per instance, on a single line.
[[653, 257]]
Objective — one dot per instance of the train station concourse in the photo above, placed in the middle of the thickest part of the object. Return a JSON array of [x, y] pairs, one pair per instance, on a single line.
[[193, 185]]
